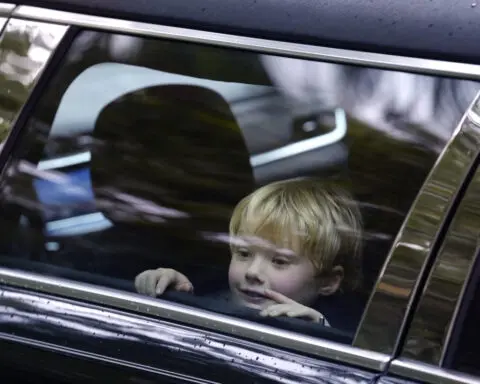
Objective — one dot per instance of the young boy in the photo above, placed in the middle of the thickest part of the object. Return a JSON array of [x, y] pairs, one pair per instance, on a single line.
[[291, 243]]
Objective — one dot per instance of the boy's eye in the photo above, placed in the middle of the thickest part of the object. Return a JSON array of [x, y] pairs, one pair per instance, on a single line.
[[280, 262], [242, 252]]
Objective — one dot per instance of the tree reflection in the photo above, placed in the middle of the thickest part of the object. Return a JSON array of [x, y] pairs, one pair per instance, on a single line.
[[24, 48], [416, 108]]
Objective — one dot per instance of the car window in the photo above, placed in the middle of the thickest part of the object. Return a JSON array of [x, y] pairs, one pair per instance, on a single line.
[[142, 152]]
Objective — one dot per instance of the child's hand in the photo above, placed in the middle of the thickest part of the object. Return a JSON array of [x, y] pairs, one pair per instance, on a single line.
[[288, 307], [155, 282]]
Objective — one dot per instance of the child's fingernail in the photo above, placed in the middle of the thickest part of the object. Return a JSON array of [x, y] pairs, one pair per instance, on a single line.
[[186, 287]]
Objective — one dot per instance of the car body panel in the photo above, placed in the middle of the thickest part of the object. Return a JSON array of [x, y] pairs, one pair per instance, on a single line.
[[181, 350]]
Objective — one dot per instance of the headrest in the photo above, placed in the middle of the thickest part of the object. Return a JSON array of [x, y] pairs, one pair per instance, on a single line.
[[169, 152]]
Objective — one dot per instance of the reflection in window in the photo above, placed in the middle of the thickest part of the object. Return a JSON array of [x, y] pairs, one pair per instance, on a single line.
[[25, 47], [140, 150], [462, 353]]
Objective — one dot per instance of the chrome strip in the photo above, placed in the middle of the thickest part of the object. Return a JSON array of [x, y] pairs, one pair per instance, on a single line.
[[429, 374], [446, 284], [20, 70], [384, 317], [250, 43], [191, 316], [6, 9], [305, 145]]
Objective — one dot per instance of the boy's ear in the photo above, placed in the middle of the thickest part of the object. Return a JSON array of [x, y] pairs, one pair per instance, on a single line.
[[330, 284]]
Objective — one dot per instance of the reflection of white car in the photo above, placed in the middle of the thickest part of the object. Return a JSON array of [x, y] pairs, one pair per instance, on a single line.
[[255, 108]]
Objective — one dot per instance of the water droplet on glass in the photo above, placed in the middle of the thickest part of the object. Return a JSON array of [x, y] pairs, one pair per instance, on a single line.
[[474, 4]]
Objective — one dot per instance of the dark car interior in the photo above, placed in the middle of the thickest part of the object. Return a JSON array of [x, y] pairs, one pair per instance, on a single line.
[[166, 185]]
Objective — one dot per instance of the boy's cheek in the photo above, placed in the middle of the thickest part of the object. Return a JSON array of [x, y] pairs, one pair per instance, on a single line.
[[285, 285], [233, 272], [293, 285]]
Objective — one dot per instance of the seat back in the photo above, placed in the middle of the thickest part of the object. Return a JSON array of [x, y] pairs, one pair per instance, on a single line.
[[167, 165]]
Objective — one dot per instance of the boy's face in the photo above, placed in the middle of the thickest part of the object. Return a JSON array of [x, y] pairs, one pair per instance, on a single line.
[[257, 267]]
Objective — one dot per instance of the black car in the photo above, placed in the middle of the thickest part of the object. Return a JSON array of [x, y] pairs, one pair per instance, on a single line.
[[129, 132]]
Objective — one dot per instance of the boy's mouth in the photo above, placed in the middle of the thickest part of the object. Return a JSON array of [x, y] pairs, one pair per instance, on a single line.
[[252, 294]]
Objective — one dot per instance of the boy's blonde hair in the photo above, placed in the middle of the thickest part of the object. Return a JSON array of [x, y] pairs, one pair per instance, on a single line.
[[317, 217]]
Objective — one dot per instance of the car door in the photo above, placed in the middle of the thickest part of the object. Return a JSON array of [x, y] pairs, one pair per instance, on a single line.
[[89, 199]]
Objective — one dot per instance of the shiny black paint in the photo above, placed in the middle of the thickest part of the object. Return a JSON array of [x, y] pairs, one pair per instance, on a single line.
[[86, 341]]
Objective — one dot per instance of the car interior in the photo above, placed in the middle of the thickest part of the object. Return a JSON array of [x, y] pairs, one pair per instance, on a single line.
[[147, 175]]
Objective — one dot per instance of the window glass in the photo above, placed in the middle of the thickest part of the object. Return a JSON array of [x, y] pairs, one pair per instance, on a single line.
[[261, 187]]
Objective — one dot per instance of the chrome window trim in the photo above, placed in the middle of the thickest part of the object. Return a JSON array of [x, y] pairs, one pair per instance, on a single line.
[[385, 316], [425, 373], [306, 51], [194, 317], [6, 9], [451, 270]]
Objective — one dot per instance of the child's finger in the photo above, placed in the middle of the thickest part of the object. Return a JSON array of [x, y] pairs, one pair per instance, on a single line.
[[181, 282], [275, 310], [297, 312], [163, 282], [306, 313], [143, 280], [139, 283], [184, 287], [150, 282], [278, 297]]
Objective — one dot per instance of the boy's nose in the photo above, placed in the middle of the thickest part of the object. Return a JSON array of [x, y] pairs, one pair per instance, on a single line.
[[255, 271]]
